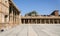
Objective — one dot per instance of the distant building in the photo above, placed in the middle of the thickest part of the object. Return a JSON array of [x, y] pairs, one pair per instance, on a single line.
[[53, 18]]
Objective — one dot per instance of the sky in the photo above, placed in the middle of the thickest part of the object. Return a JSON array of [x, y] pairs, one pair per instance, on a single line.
[[42, 7]]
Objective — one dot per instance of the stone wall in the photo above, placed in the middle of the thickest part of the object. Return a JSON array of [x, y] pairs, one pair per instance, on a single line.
[[9, 14]]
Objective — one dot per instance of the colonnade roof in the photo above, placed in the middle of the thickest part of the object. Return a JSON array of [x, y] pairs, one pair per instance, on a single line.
[[38, 17], [14, 5]]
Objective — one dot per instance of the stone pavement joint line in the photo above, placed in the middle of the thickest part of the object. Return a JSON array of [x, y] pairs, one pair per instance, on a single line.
[[33, 30]]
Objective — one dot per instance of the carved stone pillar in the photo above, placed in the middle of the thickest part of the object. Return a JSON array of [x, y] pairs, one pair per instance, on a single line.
[[36, 21], [20, 19], [28, 21], [24, 21], [45, 21], [31, 21], [53, 21], [49, 21], [40, 21], [57, 21]]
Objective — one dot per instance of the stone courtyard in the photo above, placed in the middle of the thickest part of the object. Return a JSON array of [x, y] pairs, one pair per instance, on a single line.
[[33, 30]]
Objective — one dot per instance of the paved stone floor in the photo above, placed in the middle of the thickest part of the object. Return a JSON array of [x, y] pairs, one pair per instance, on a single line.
[[33, 30]]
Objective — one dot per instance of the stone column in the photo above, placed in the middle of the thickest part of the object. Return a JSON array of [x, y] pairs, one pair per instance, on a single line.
[[49, 21], [36, 21], [58, 21], [24, 21], [45, 21], [53, 21], [16, 17], [28, 21], [20, 19], [40, 21], [11, 17], [31, 21]]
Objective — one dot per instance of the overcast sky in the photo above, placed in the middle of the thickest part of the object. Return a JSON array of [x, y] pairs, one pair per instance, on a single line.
[[43, 7]]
